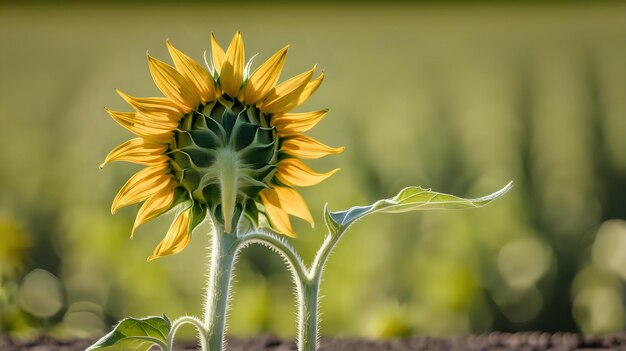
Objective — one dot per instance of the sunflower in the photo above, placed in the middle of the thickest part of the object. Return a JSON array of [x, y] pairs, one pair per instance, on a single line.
[[222, 142]]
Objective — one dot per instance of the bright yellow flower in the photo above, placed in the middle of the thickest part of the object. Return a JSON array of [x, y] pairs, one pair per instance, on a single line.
[[221, 140]]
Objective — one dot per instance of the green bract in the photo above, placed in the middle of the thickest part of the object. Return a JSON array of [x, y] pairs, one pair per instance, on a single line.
[[230, 132]]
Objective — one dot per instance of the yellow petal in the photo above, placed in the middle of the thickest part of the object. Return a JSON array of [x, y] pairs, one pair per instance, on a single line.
[[158, 109], [264, 78], [143, 127], [154, 206], [217, 54], [304, 147], [285, 96], [194, 72], [174, 85], [231, 74], [292, 202], [293, 172], [144, 120], [176, 239], [139, 151], [278, 217], [310, 88], [142, 185], [295, 123]]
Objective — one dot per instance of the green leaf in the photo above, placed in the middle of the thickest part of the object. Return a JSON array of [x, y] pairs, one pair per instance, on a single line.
[[409, 199], [133, 334]]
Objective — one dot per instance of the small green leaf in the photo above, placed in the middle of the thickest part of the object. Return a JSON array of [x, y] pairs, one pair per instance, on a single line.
[[409, 199], [133, 334]]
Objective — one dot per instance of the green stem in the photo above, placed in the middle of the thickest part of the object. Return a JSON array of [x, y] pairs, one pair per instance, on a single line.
[[308, 315], [224, 250], [179, 323], [307, 284], [309, 296], [223, 254], [286, 251], [322, 256], [306, 281]]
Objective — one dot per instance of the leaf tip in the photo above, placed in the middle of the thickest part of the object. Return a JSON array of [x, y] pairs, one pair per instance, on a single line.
[[504, 190], [486, 199]]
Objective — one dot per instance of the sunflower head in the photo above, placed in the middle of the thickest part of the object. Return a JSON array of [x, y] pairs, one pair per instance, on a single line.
[[221, 142]]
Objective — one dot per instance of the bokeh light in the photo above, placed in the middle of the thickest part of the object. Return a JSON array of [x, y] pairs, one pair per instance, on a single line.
[[41, 294]]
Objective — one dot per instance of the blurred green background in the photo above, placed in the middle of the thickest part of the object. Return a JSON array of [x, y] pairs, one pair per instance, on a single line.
[[460, 98]]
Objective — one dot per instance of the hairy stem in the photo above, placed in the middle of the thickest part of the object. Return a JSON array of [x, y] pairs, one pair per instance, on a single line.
[[179, 323], [307, 282], [286, 251], [223, 255], [308, 315], [309, 297], [322, 255], [307, 286]]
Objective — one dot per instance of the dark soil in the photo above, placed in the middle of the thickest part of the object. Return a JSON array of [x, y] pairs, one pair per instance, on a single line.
[[528, 341]]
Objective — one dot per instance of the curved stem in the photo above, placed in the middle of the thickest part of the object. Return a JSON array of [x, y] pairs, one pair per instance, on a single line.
[[224, 249], [275, 243], [182, 321], [307, 282], [307, 289]]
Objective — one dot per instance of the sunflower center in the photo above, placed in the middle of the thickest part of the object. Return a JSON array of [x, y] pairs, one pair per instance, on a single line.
[[224, 134]]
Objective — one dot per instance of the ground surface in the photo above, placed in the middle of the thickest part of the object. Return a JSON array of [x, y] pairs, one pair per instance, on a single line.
[[494, 341]]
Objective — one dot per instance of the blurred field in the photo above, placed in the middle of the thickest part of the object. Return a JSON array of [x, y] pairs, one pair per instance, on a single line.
[[458, 98]]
